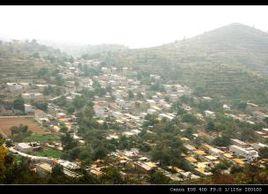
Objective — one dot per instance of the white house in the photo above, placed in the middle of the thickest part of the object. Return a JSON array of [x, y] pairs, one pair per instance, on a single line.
[[173, 97], [14, 87], [151, 102], [24, 147], [249, 154], [32, 96], [239, 142], [43, 169], [258, 146], [162, 115], [28, 108], [209, 113], [99, 111], [151, 111], [61, 115], [226, 107]]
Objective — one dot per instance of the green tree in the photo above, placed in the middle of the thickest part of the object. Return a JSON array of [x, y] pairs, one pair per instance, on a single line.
[[165, 155], [79, 102], [18, 104], [189, 118], [36, 55], [41, 105], [111, 176], [236, 169], [73, 153], [85, 155], [157, 86], [100, 152], [19, 133], [87, 178], [99, 91], [43, 72], [222, 141], [70, 109], [263, 152], [189, 133], [219, 167], [210, 126], [68, 142], [158, 178], [2, 140], [8, 143], [139, 95], [63, 129], [177, 107], [59, 80], [61, 101], [265, 120], [130, 94], [3, 154], [241, 105], [57, 170], [248, 134], [48, 90]]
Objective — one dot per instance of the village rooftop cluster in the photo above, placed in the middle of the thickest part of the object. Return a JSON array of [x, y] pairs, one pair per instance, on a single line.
[[127, 102]]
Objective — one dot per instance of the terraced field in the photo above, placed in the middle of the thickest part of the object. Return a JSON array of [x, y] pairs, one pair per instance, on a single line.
[[7, 122]]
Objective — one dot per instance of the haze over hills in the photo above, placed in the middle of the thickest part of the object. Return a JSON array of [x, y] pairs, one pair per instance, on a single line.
[[78, 49], [190, 111], [230, 61], [236, 43]]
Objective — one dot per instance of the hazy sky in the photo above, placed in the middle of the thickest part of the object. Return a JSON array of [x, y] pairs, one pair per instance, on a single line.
[[133, 26]]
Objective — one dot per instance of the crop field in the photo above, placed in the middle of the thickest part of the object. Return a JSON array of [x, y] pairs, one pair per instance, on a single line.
[[42, 138], [7, 122], [49, 152]]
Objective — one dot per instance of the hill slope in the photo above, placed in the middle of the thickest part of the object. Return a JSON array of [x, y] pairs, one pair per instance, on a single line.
[[229, 62], [21, 60], [235, 43]]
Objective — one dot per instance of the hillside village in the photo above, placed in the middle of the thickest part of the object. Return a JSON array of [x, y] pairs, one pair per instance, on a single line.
[[132, 111]]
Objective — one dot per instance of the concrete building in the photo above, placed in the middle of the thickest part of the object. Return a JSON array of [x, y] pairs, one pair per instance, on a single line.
[[14, 87], [213, 151], [100, 111], [28, 108], [151, 102], [61, 115], [247, 153], [226, 107], [145, 166], [33, 96], [258, 146], [151, 111], [209, 114], [162, 115], [24, 147], [28, 147], [43, 169], [239, 143]]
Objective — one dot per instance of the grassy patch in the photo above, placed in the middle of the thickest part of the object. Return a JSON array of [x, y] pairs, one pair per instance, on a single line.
[[49, 152], [42, 138], [18, 158]]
